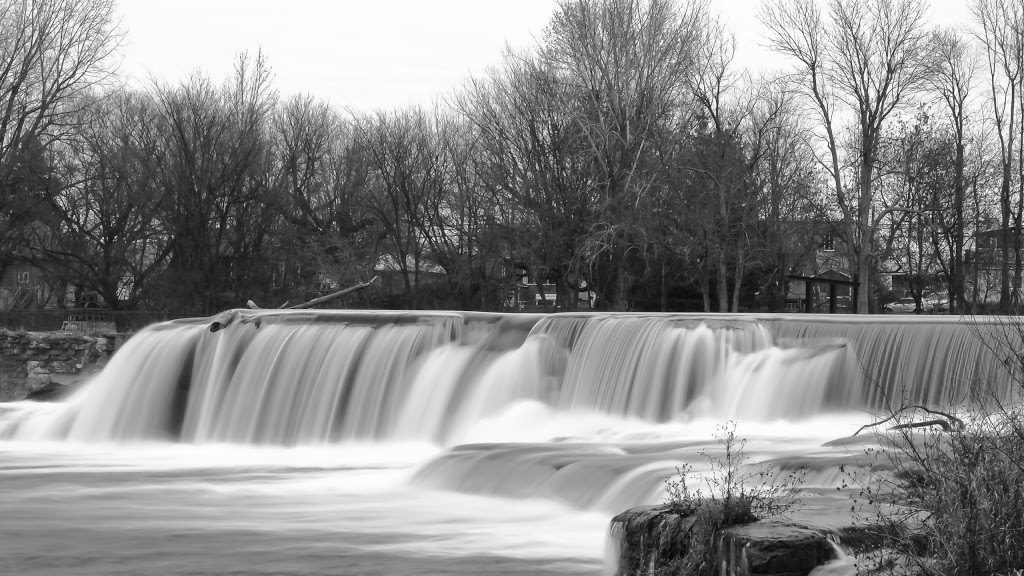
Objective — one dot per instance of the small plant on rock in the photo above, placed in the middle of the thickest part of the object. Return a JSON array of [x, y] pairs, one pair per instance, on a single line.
[[732, 493]]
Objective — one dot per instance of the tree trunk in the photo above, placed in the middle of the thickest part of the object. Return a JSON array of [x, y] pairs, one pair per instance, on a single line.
[[780, 283], [737, 283], [1004, 240], [407, 282], [664, 294], [621, 297], [956, 276], [1017, 262], [723, 285], [863, 251]]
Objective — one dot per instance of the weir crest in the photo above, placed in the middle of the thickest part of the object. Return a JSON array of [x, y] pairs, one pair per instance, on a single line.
[[299, 378]]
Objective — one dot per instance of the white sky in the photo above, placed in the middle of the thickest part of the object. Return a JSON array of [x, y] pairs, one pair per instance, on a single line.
[[368, 54]]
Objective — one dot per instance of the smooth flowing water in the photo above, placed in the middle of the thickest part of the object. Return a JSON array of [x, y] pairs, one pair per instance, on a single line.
[[440, 443]]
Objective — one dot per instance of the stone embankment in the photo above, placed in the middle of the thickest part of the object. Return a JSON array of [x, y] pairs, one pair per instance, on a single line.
[[34, 361], [654, 541]]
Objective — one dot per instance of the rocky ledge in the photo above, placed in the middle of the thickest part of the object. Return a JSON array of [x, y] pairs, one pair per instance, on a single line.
[[37, 361], [654, 540], [777, 548]]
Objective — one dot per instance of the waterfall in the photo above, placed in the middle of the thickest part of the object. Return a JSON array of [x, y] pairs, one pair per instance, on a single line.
[[299, 378]]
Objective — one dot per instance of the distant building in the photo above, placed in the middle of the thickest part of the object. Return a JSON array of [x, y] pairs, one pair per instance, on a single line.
[[24, 285], [392, 275], [983, 265], [529, 296], [812, 249]]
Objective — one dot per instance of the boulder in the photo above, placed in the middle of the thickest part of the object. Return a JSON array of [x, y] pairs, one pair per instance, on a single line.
[[66, 366], [50, 392], [38, 375], [652, 540], [774, 548], [656, 540]]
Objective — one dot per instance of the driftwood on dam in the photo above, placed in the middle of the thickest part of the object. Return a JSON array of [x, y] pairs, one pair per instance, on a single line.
[[333, 295], [225, 319], [946, 421]]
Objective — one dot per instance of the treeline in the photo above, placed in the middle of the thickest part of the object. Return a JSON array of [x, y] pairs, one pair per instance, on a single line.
[[627, 155]]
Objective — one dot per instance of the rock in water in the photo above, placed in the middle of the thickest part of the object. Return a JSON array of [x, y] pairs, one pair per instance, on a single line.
[[656, 540], [775, 548], [652, 540]]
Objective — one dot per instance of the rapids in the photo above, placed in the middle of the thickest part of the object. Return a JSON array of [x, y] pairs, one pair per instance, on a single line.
[[434, 442]]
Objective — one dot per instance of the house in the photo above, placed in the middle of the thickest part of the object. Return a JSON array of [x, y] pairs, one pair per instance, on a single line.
[[903, 285], [25, 285], [812, 249], [527, 295], [983, 265], [392, 275]]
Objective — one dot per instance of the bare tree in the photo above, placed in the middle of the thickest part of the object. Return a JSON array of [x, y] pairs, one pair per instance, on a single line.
[[106, 234], [916, 171], [460, 228], [1000, 29], [431, 212], [739, 116], [632, 61], [217, 174], [322, 182], [792, 186], [717, 157], [861, 60], [406, 173], [53, 54], [951, 77], [533, 161]]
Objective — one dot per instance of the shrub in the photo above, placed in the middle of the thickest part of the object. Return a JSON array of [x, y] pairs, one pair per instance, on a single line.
[[952, 502], [732, 493]]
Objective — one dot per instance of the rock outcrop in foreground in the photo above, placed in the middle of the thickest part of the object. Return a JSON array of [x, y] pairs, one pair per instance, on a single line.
[[774, 548], [654, 540]]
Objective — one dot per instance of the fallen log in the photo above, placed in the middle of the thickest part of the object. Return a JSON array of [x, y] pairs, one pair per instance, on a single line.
[[334, 295], [224, 319], [944, 424], [947, 421]]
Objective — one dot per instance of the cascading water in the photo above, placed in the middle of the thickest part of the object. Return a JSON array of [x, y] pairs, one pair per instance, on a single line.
[[293, 382], [591, 411]]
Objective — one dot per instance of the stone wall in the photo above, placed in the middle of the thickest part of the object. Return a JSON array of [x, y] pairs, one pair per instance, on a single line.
[[31, 360]]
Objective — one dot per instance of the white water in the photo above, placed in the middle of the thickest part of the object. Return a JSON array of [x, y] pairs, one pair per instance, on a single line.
[[161, 509], [435, 443]]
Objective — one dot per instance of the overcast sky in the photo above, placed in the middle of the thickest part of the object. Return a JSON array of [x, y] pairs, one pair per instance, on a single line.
[[367, 54]]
